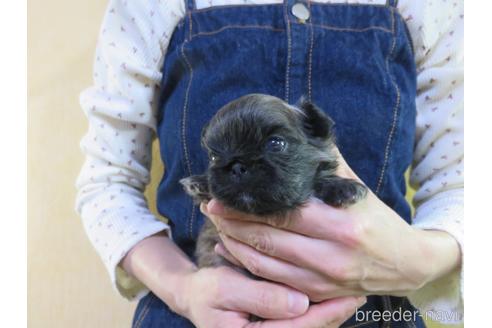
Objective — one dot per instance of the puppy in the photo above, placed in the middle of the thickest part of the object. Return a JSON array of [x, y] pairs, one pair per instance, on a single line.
[[267, 158]]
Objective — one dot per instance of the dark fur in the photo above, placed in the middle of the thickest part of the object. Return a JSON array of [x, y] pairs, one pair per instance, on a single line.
[[248, 176]]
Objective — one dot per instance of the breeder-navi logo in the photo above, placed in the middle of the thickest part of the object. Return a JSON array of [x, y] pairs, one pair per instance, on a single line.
[[407, 315]]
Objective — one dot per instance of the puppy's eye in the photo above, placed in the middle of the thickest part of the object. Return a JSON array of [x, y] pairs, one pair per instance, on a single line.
[[275, 144], [214, 158]]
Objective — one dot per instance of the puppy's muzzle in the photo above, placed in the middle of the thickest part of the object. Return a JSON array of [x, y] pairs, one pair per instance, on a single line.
[[239, 171]]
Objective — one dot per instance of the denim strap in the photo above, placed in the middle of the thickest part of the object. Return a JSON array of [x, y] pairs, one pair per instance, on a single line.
[[392, 3], [190, 5]]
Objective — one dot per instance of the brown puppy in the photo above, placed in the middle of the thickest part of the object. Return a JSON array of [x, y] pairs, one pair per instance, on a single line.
[[267, 158]]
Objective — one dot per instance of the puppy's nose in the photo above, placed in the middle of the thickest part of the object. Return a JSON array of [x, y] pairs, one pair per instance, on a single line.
[[238, 170]]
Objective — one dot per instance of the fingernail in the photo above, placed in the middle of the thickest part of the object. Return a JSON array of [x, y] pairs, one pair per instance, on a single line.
[[298, 303], [219, 249], [215, 207], [223, 238], [361, 301]]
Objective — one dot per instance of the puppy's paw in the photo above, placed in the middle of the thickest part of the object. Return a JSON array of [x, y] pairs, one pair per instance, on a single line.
[[197, 187], [340, 192]]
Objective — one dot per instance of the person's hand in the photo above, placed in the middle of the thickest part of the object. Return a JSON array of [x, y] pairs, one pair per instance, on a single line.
[[328, 252], [223, 297]]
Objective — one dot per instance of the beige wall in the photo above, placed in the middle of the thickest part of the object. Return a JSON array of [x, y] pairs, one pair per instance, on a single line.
[[67, 284]]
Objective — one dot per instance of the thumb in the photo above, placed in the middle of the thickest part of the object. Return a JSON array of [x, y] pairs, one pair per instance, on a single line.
[[266, 299], [330, 313]]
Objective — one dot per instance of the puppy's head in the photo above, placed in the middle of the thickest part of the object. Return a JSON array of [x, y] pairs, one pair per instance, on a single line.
[[264, 153]]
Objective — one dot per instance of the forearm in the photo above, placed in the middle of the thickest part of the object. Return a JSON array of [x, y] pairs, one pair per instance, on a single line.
[[159, 264], [438, 254], [424, 256]]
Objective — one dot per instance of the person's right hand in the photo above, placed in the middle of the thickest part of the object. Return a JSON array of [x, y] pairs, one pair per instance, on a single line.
[[223, 297]]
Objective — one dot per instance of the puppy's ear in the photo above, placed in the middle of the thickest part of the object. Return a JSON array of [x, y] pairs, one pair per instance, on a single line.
[[316, 124]]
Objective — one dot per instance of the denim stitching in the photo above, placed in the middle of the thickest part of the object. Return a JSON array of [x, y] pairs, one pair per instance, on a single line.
[[350, 4], [218, 7], [348, 29], [408, 37], [183, 126], [185, 110], [191, 24], [395, 109], [233, 6], [198, 28], [193, 5], [223, 28], [310, 58], [275, 29], [144, 312], [193, 219], [289, 50]]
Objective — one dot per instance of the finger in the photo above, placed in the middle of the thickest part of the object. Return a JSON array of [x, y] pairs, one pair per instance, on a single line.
[[270, 241], [205, 211], [221, 318], [262, 298], [216, 208], [315, 285], [222, 251], [214, 218], [315, 219], [203, 208], [330, 313], [327, 257], [269, 267]]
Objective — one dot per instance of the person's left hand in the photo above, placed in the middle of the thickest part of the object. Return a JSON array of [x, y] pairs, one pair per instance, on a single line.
[[328, 252]]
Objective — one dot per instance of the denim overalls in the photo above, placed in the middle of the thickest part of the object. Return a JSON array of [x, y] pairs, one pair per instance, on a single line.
[[354, 61]]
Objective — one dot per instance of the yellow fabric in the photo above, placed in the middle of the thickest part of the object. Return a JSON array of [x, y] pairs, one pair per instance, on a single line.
[[67, 283]]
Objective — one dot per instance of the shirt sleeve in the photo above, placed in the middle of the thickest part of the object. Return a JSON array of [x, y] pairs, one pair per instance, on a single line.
[[121, 111], [437, 171]]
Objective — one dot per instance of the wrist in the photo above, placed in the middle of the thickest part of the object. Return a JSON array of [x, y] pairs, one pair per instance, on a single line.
[[161, 266], [438, 253], [175, 292]]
